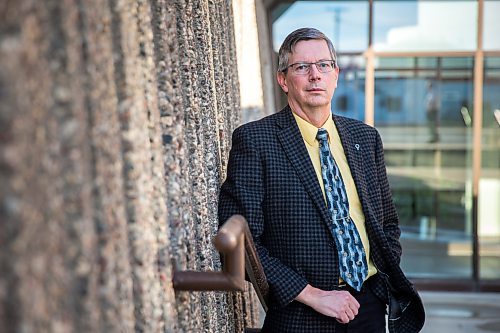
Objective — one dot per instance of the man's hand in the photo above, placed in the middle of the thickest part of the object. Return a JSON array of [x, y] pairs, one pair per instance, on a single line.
[[339, 304]]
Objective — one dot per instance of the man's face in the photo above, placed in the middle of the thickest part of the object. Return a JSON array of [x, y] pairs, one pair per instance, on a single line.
[[312, 90]]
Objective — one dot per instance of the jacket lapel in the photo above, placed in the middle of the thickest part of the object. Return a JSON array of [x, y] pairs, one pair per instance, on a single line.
[[293, 144], [354, 152]]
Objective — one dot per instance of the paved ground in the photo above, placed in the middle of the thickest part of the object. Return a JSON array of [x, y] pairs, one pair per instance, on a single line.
[[451, 312]]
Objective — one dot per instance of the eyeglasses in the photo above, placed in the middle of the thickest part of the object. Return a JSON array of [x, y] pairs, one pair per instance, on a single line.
[[304, 68]]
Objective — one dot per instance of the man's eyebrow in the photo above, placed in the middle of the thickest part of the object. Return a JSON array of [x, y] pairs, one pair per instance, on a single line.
[[309, 62]]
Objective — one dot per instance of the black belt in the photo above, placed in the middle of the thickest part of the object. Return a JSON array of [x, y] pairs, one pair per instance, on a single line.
[[344, 286]]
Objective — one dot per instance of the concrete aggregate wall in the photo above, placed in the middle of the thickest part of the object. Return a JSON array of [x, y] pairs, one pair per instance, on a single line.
[[115, 123]]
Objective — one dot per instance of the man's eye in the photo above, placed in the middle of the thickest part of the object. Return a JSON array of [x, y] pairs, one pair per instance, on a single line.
[[324, 65], [302, 67]]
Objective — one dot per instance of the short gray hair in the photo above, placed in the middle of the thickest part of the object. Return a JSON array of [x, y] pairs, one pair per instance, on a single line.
[[299, 35]]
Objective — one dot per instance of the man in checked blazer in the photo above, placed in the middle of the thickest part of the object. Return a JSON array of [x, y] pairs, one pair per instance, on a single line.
[[274, 181]]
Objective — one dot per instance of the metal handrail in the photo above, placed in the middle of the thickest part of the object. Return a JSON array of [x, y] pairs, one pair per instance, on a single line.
[[235, 242]]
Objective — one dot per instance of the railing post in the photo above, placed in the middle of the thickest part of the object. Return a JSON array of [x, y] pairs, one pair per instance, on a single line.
[[230, 241], [234, 241]]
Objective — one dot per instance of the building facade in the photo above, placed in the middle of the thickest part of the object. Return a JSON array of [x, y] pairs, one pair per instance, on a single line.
[[426, 74]]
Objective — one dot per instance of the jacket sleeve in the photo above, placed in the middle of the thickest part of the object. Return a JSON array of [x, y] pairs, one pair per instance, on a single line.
[[243, 193], [391, 219]]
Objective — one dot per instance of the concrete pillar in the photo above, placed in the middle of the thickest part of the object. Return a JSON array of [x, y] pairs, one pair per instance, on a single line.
[[115, 125], [254, 53]]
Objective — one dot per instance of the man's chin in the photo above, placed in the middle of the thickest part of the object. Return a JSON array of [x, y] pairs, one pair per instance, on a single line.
[[318, 102]]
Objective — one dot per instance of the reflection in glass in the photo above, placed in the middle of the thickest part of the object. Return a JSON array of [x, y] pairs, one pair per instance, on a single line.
[[420, 25], [423, 112], [491, 29], [489, 183], [349, 97]]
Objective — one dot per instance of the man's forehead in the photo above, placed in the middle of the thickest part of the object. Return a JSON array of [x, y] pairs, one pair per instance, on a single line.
[[309, 41], [311, 47]]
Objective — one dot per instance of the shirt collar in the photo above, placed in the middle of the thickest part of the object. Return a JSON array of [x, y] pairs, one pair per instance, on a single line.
[[309, 131]]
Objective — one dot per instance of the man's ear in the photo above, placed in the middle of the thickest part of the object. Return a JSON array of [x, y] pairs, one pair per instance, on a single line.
[[337, 72], [281, 77]]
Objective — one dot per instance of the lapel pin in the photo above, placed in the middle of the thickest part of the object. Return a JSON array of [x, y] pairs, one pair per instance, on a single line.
[[357, 146]]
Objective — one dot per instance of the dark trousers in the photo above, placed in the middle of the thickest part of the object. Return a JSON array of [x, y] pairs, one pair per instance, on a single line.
[[371, 313]]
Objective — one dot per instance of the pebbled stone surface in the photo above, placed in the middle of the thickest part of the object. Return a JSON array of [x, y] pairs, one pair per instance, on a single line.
[[115, 123]]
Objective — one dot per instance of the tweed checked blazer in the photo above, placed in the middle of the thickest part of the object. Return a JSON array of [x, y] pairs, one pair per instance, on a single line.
[[272, 183]]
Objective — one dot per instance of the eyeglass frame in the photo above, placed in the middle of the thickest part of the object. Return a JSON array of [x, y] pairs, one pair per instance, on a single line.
[[310, 66]]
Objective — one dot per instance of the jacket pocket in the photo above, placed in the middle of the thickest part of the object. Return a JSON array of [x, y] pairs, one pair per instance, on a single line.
[[398, 302]]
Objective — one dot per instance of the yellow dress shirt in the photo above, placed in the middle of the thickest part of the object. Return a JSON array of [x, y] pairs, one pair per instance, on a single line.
[[309, 132]]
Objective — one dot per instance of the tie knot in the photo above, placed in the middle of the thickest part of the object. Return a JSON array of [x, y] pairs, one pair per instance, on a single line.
[[322, 135]]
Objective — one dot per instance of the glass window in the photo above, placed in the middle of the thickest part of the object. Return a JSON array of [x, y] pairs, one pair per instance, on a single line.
[[489, 183], [491, 29], [344, 22], [427, 62], [424, 25], [349, 97], [423, 112], [387, 63]]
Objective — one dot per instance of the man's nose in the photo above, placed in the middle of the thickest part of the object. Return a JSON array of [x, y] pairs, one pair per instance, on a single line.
[[314, 73]]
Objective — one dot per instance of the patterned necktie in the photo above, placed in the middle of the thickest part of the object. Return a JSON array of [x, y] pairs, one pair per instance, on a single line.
[[352, 256]]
